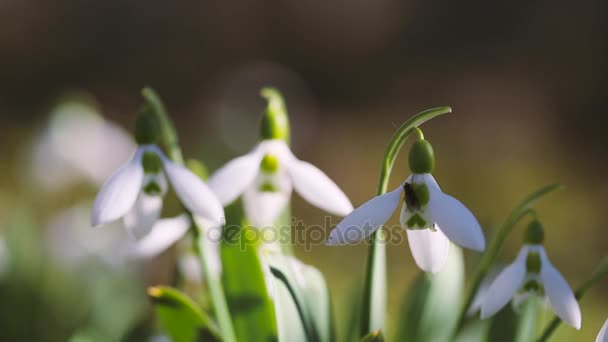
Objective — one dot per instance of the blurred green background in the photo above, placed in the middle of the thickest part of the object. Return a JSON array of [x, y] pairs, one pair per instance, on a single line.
[[527, 81]]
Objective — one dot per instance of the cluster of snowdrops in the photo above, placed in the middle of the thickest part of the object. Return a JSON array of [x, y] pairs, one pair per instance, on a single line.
[[258, 290]]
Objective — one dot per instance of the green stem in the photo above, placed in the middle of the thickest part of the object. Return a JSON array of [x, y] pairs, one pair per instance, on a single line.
[[523, 209], [170, 142], [167, 129], [600, 271], [371, 319]]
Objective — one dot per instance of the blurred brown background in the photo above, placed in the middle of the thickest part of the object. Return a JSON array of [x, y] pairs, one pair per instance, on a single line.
[[527, 81]]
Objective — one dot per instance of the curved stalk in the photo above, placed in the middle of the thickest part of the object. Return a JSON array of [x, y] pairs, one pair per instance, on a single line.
[[168, 139], [374, 298], [523, 209]]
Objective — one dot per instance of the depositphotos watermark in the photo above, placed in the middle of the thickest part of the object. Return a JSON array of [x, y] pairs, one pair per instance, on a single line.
[[301, 234]]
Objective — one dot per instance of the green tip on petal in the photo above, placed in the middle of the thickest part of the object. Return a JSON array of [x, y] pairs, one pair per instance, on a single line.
[[147, 128], [151, 162], [535, 233], [198, 168], [275, 121], [533, 264], [421, 157], [269, 164]]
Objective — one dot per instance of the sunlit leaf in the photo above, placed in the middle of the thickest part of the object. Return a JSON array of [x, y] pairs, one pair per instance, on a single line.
[[180, 317], [432, 304]]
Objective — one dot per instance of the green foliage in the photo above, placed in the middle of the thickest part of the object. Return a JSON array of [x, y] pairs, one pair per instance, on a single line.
[[250, 306], [374, 336], [180, 317], [430, 310]]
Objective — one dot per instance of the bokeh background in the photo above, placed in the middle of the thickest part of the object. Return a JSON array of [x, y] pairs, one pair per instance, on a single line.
[[527, 81]]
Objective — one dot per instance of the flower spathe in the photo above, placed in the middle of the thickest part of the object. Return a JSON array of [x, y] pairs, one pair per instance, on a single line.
[[134, 192], [532, 273], [430, 217], [265, 178]]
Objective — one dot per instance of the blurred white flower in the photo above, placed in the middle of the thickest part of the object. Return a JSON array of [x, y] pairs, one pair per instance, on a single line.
[[265, 177], [532, 273], [430, 217], [78, 145], [71, 240], [603, 335], [482, 291], [134, 192]]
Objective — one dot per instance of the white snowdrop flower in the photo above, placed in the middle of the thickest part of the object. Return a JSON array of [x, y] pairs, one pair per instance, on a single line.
[[532, 273], [134, 192], [168, 231], [603, 335], [266, 176], [430, 217], [78, 144], [71, 241], [482, 292]]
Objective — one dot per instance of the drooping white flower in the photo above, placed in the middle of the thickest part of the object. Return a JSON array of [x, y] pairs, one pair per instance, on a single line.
[[430, 217], [168, 231], [482, 291], [532, 273], [265, 178], [603, 335], [134, 192], [77, 145]]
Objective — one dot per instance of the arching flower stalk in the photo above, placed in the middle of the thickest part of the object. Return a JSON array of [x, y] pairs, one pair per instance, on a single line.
[[532, 274], [430, 217], [135, 192], [266, 176]]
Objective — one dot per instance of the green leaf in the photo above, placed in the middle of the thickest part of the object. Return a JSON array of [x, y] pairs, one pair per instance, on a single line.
[[250, 306], [374, 336], [373, 312], [305, 303], [317, 298], [180, 317], [474, 331], [432, 304], [529, 318]]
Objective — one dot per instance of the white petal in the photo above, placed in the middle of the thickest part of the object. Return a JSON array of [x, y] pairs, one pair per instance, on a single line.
[[603, 335], [211, 244], [429, 248], [144, 214], [229, 182], [194, 194], [315, 187], [164, 234], [365, 219], [504, 287], [559, 293], [263, 208], [454, 219], [483, 289], [119, 192]]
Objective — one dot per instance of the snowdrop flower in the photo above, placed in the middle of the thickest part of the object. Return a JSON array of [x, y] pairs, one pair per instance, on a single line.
[[482, 292], [266, 176], [603, 335], [430, 217], [532, 273], [135, 192], [78, 144]]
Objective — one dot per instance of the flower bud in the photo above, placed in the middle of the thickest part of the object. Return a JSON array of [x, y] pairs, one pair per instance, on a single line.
[[275, 122], [535, 234], [421, 157]]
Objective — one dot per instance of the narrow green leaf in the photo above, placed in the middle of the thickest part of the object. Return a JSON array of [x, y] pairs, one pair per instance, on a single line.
[[430, 310], [180, 317], [250, 306], [474, 331], [529, 318]]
